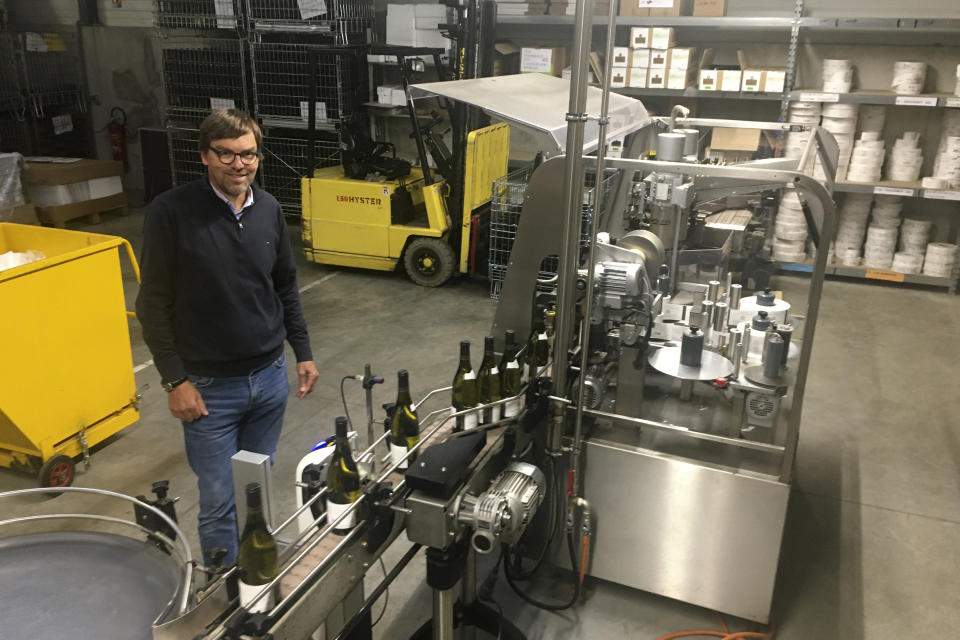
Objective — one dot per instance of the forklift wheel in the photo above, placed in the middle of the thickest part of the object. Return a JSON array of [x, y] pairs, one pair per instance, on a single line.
[[57, 472], [429, 261]]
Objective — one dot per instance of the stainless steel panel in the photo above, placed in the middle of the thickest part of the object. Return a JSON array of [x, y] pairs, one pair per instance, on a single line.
[[251, 467], [702, 535]]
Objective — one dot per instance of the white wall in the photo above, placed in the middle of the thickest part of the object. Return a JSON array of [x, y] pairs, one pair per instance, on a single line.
[[45, 12], [133, 13]]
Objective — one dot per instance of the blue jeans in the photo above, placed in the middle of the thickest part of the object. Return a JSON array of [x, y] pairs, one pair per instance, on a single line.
[[246, 413]]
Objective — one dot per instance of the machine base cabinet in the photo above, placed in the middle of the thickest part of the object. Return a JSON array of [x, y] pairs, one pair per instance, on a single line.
[[703, 535]]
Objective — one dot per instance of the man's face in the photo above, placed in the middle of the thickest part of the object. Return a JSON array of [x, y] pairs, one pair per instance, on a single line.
[[232, 178]]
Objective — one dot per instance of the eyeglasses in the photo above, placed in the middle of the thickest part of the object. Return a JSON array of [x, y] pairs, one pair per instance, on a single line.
[[227, 157]]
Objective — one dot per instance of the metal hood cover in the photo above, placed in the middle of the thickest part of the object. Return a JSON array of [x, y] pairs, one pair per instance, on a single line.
[[540, 102]]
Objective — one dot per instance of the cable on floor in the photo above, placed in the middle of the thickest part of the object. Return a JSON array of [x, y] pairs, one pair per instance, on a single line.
[[386, 595]]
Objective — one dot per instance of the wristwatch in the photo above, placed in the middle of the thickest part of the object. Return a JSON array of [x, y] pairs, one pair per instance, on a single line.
[[170, 385]]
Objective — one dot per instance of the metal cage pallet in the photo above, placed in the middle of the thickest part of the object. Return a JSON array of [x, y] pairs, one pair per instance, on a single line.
[[11, 99], [281, 79], [15, 136], [202, 74], [197, 14], [285, 163], [185, 163], [345, 21], [505, 208], [51, 71]]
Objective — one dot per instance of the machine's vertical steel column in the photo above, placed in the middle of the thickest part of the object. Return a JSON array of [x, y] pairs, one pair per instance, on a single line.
[[588, 302], [443, 600], [468, 590], [573, 207], [368, 401]]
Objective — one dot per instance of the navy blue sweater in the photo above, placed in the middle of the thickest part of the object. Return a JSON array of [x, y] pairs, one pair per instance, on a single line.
[[218, 296]]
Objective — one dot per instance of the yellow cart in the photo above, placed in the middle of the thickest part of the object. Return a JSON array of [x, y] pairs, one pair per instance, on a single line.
[[66, 369]]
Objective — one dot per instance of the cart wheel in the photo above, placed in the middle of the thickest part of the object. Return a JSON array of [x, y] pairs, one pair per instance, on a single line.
[[57, 472], [429, 261]]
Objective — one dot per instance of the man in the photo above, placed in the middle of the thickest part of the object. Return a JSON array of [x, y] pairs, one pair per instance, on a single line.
[[218, 296]]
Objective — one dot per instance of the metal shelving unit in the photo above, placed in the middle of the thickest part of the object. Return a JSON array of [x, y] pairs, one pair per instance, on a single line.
[[836, 269], [202, 74], [691, 92]]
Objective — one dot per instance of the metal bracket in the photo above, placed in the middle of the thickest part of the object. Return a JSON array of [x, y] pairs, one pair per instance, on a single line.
[[577, 117]]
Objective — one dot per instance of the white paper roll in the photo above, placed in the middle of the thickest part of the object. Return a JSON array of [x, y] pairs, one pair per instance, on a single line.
[[908, 77]]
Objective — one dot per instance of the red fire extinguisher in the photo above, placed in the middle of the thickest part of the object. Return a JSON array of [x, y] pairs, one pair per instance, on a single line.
[[118, 134]]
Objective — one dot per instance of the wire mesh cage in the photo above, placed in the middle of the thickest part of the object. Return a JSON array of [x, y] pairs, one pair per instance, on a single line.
[[52, 72], [11, 100], [185, 162], [282, 78], [197, 14], [505, 208], [202, 75], [285, 162], [61, 134], [344, 21], [15, 136]]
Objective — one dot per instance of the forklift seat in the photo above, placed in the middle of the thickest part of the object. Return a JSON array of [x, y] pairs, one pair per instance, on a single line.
[[361, 156]]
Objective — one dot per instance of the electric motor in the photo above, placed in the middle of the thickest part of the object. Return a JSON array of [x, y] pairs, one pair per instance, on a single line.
[[503, 511]]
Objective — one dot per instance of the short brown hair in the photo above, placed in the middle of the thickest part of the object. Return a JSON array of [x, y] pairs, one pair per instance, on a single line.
[[227, 123]]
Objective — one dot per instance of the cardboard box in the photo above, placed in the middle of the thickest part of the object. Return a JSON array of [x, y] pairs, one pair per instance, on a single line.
[[709, 80], [709, 8], [658, 58], [734, 139], [640, 37], [637, 78], [774, 80], [543, 60], [681, 57], [621, 57], [668, 8], [633, 9], [618, 77], [730, 80], [506, 59], [22, 214], [752, 80], [384, 93], [679, 78], [661, 37], [66, 173], [639, 58], [398, 96], [415, 25], [657, 79]]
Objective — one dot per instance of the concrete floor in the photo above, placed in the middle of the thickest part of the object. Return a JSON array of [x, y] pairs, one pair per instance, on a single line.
[[872, 542]]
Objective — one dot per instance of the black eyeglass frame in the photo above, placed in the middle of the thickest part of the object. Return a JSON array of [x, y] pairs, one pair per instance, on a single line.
[[247, 157]]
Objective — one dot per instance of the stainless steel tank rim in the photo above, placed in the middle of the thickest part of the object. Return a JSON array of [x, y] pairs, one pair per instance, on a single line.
[[181, 538]]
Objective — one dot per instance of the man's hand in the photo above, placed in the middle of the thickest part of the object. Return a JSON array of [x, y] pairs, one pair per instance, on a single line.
[[308, 374], [186, 403]]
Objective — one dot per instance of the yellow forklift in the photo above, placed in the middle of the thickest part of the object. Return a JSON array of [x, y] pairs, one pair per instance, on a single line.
[[376, 211]]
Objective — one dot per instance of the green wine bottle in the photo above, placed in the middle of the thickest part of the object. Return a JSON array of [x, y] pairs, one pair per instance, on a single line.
[[405, 425], [538, 348], [488, 382], [343, 481], [465, 390], [511, 375], [257, 558]]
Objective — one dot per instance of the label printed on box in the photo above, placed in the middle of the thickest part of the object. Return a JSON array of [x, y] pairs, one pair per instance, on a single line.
[[311, 8], [320, 111], [952, 102], [225, 15], [536, 61], [819, 97], [222, 103], [916, 101], [936, 194], [883, 274], [62, 124], [655, 4], [892, 191]]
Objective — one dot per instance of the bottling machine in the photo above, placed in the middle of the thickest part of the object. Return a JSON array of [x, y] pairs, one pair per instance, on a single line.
[[663, 429]]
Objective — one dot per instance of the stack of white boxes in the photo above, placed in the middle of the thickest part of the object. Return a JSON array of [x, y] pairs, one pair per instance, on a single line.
[[651, 61], [746, 79]]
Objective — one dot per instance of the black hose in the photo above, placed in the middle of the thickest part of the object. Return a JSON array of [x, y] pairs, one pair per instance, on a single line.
[[548, 606]]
